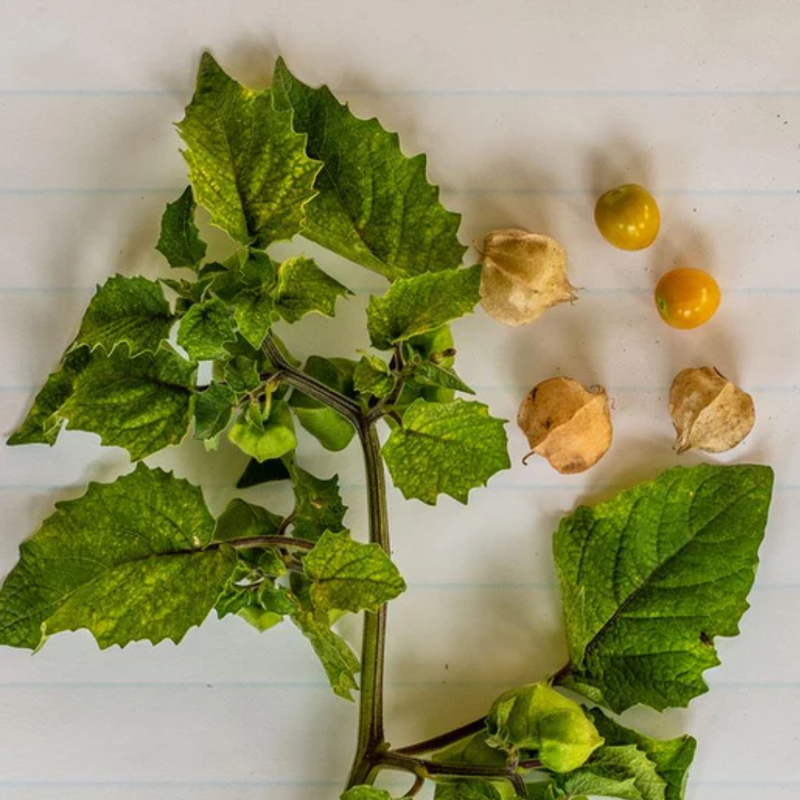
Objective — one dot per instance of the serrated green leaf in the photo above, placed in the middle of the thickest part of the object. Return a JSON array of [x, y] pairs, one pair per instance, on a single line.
[[127, 561], [257, 472], [365, 793], [242, 520], [241, 374], [304, 288], [372, 377], [247, 164], [445, 449], [329, 427], [427, 373], [318, 505], [350, 576], [142, 404], [624, 772], [417, 305], [374, 206], [180, 241], [474, 790], [273, 439], [253, 310], [129, 311], [338, 660], [651, 577], [212, 411], [672, 757], [43, 423], [205, 330]]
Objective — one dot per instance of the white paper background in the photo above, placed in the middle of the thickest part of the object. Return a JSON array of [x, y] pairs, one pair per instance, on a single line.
[[526, 110]]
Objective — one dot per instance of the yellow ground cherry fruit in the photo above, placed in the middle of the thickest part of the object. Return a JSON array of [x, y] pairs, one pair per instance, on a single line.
[[628, 217], [687, 297]]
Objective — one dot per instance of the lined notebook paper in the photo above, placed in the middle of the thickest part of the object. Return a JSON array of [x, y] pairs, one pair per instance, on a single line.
[[527, 110]]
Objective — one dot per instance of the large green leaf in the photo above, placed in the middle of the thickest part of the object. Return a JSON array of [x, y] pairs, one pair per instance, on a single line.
[[417, 305], [130, 311], [445, 448], [651, 577], [129, 560], [671, 757], [375, 206], [304, 288], [350, 576], [180, 241], [247, 164], [142, 404]]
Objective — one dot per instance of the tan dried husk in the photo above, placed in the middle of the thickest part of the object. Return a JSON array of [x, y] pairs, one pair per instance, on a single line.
[[523, 275], [708, 411], [567, 424]]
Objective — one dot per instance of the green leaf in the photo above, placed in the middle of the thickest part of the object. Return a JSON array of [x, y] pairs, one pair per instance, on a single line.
[[130, 311], [338, 660], [127, 561], [247, 164], [536, 717], [205, 330], [272, 439], [242, 520], [329, 427], [142, 404], [318, 505], [304, 288], [365, 793], [349, 575], [374, 206], [180, 241], [253, 310], [445, 449], [672, 757], [623, 772], [212, 411], [651, 577], [257, 472], [372, 377], [43, 422], [412, 306], [474, 790], [427, 373], [241, 374]]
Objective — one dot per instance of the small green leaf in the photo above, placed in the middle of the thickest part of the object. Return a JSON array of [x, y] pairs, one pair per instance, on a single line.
[[330, 428], [338, 660], [374, 205], [349, 575], [304, 288], [130, 311], [43, 422], [242, 520], [205, 330], [445, 449], [273, 439], [412, 306], [365, 793], [622, 772], [212, 411], [427, 373], [241, 374], [247, 164], [474, 790], [128, 561], [671, 757], [651, 577], [180, 241], [318, 505], [536, 717], [372, 377], [257, 472], [263, 605], [142, 404], [253, 310]]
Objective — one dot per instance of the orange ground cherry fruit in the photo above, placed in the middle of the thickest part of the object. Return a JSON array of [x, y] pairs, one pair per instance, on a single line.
[[628, 217], [687, 297]]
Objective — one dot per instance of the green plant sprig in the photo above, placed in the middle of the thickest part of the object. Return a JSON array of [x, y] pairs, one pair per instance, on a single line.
[[648, 579]]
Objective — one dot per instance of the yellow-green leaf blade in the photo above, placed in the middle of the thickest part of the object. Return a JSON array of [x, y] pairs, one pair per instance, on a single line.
[[180, 241]]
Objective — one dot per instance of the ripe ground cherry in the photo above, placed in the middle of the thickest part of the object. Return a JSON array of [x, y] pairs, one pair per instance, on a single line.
[[628, 217], [687, 297]]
